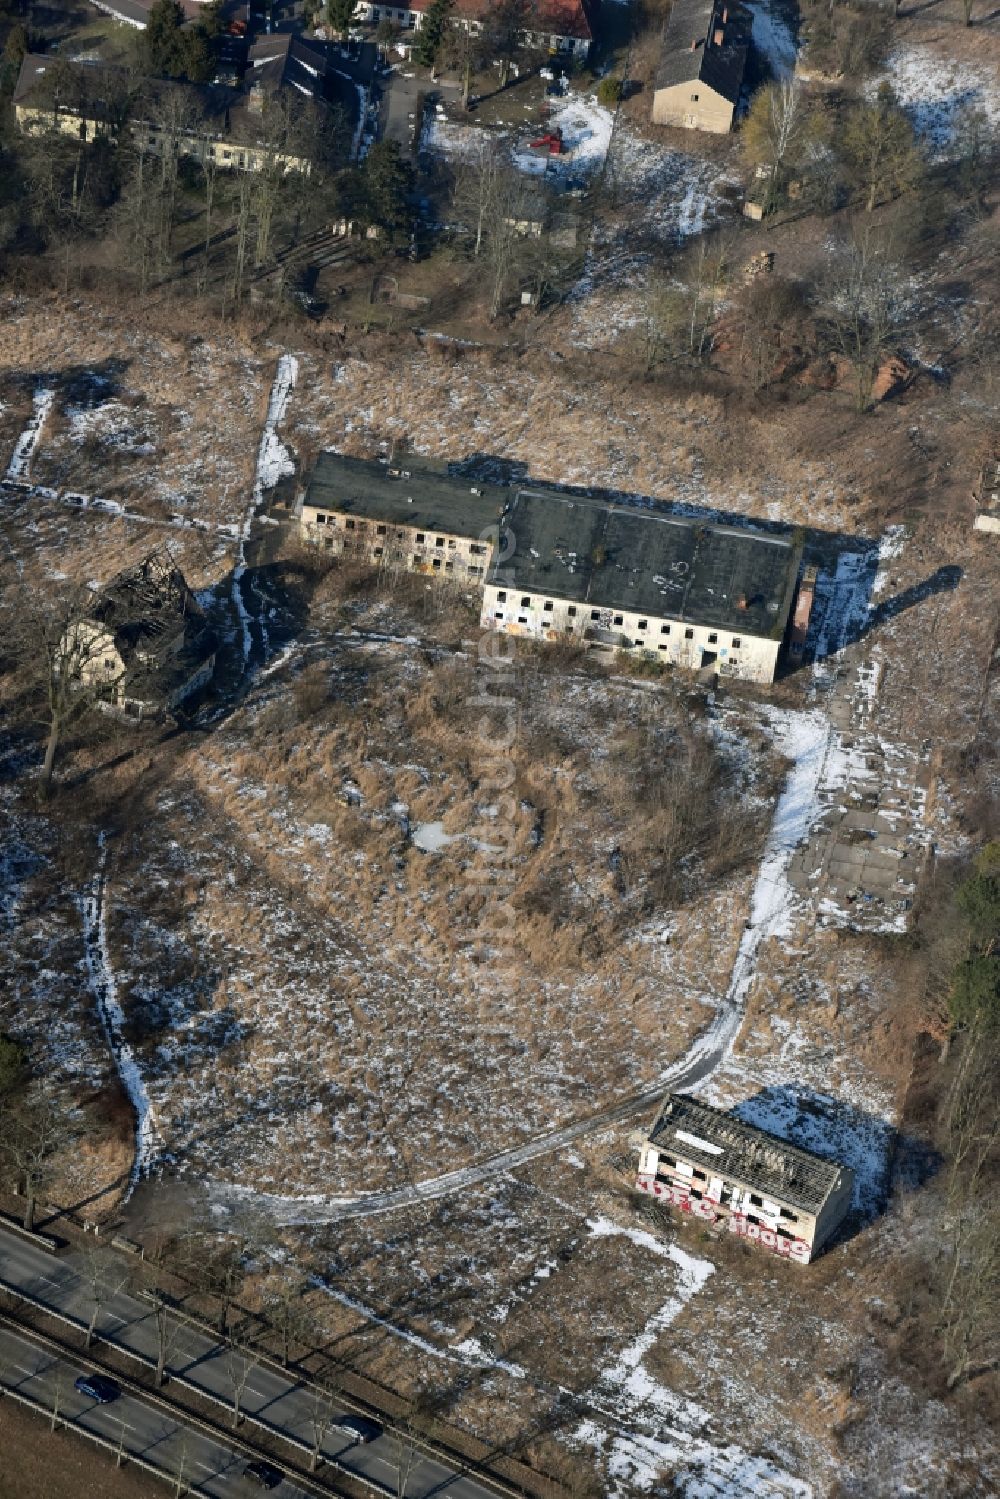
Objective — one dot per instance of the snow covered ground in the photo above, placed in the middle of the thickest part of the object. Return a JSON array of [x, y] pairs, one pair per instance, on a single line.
[[24, 450], [273, 462], [101, 979], [940, 96], [681, 192], [773, 36]]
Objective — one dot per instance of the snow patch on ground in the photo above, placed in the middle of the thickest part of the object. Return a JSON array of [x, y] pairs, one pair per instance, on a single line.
[[273, 462], [111, 423], [24, 449], [649, 1431], [93, 909], [772, 36], [938, 95], [804, 738], [430, 837], [586, 132]]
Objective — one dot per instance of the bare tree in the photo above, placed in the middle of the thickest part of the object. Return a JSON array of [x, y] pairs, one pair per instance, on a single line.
[[242, 1357], [879, 145], [406, 1456], [286, 1314], [477, 187], [969, 1314], [174, 117], [168, 1329], [864, 308], [59, 1380], [663, 329], [182, 1480], [137, 214], [779, 129], [702, 277], [462, 51], [244, 214], [67, 659], [33, 1135], [211, 173], [219, 1270], [509, 230], [104, 1276], [323, 1407]]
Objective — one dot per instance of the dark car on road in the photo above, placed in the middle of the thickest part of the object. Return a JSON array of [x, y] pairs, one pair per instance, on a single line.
[[99, 1388], [360, 1429], [263, 1475]]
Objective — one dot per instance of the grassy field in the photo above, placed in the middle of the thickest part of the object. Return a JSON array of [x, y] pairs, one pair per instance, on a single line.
[[43, 1464]]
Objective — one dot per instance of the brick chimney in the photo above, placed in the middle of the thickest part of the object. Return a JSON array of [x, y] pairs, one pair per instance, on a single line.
[[719, 34]]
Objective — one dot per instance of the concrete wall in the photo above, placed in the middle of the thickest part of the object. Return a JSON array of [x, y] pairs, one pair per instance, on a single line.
[[834, 1210], [406, 548], [674, 642], [728, 1204], [91, 649], [693, 106], [33, 121]]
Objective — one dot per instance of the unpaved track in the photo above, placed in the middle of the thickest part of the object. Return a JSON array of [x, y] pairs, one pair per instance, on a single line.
[[803, 736]]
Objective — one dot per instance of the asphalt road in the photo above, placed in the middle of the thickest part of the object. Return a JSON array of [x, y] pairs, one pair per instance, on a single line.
[[276, 1398], [143, 1430]]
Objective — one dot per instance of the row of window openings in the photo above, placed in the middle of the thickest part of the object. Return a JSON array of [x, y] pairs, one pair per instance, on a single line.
[[472, 568], [619, 619], [757, 1202], [475, 548], [408, 19]]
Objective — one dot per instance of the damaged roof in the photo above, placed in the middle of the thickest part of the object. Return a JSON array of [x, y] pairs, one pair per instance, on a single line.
[[158, 626], [648, 561], [724, 1146], [407, 492]]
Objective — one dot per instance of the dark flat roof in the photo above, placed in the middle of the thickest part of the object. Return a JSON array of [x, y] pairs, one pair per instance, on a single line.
[[648, 561], [743, 1153], [410, 492]]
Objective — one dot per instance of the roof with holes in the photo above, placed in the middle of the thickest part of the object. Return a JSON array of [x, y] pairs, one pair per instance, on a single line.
[[722, 1145]]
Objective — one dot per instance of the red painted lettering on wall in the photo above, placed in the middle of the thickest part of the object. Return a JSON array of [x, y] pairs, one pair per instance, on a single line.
[[678, 1197]]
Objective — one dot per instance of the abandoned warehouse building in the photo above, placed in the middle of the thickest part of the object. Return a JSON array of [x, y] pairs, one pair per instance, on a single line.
[[743, 1179], [644, 581], [603, 574], [407, 516]]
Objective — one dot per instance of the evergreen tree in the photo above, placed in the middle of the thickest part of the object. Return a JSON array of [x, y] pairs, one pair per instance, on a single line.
[[386, 179], [163, 39], [339, 14], [432, 32]]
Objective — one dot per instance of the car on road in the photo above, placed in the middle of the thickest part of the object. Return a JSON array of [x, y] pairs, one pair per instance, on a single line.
[[360, 1428], [263, 1474], [99, 1388]]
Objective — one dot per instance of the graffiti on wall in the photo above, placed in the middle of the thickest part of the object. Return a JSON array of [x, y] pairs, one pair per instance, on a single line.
[[736, 1223]]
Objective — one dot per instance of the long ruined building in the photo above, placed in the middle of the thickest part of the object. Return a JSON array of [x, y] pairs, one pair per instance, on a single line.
[[743, 1179], [557, 565]]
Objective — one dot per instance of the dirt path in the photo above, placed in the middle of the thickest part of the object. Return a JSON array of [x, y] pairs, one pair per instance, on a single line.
[[805, 738], [101, 980]]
